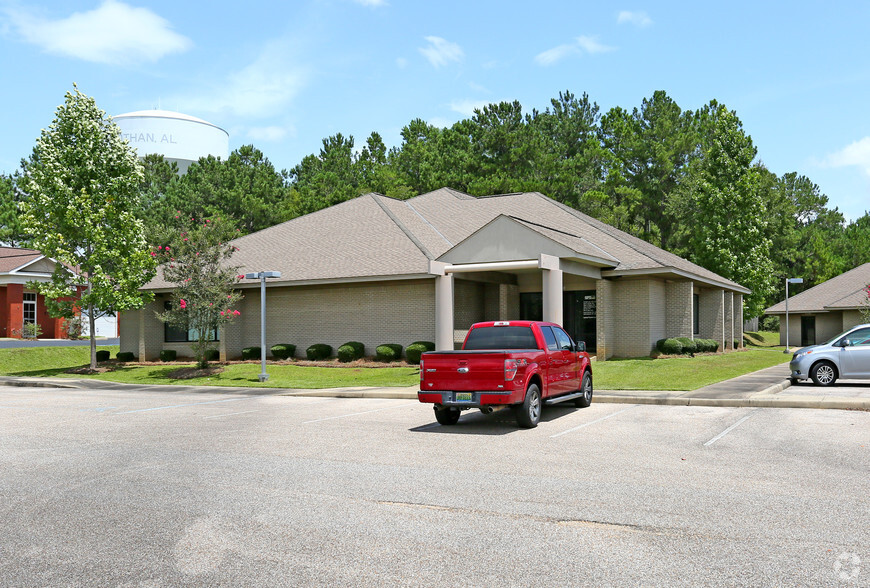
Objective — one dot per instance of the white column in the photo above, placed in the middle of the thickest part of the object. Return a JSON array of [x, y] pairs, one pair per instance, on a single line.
[[551, 288], [444, 312], [443, 306]]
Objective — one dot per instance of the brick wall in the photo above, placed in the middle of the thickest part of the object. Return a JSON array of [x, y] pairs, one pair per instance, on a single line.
[[678, 309], [373, 313], [712, 315], [851, 318], [604, 319], [638, 312]]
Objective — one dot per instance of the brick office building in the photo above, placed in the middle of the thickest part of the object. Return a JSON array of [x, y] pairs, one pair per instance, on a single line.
[[379, 270], [18, 303]]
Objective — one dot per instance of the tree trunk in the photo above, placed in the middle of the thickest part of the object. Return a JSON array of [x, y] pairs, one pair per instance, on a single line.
[[92, 323]]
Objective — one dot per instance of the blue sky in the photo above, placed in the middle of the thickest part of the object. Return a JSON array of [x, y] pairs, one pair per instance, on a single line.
[[285, 75]]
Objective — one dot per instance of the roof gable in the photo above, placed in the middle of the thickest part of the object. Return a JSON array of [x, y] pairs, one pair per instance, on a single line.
[[840, 292]]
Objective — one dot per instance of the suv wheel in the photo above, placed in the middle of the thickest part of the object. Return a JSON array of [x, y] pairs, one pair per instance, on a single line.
[[447, 416], [586, 389], [824, 373]]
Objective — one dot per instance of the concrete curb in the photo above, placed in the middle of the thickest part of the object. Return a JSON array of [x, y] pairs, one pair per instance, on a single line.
[[839, 403], [37, 383]]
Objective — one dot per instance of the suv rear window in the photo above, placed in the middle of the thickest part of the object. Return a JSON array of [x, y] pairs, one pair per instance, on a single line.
[[501, 338]]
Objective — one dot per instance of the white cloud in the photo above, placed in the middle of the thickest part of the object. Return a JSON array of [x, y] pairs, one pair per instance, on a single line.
[[592, 46], [639, 18], [551, 56], [268, 134], [855, 154], [262, 88], [478, 88], [440, 51], [372, 3], [115, 33], [440, 122], [583, 44], [467, 107]]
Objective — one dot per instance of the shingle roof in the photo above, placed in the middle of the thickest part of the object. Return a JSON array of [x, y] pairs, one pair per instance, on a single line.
[[377, 236], [841, 292], [12, 258]]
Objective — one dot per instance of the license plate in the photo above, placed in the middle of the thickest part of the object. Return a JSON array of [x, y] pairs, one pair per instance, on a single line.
[[464, 397]]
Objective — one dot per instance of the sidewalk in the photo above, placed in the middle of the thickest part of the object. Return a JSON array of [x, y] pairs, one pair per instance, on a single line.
[[767, 388]]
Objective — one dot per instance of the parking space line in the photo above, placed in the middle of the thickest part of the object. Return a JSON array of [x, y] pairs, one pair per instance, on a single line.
[[180, 405], [217, 416], [359, 413], [604, 418], [729, 429]]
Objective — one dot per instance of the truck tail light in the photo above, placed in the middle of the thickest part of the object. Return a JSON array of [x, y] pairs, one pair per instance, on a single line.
[[510, 369], [421, 370]]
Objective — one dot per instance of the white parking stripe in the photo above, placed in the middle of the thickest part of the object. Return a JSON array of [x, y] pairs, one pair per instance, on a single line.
[[217, 416], [180, 405], [359, 413], [604, 418], [729, 429]]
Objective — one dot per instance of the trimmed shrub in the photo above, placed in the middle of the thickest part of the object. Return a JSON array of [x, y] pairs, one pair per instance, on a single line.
[[429, 345], [350, 351], [318, 351], [251, 353], [396, 348], [689, 345], [386, 353], [660, 345], [168, 355], [212, 355], [414, 351], [672, 347], [125, 356], [283, 351], [103, 355]]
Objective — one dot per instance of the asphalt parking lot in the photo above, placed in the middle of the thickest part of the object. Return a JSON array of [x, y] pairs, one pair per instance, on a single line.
[[165, 488]]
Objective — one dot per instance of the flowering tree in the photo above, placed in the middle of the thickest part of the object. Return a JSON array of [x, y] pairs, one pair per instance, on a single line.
[[80, 194], [197, 262]]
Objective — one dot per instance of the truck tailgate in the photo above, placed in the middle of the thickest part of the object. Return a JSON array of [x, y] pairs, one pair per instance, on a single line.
[[463, 370]]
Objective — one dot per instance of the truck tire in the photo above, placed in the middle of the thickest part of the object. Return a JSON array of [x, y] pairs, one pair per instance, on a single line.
[[528, 414], [447, 416], [586, 388], [823, 373]]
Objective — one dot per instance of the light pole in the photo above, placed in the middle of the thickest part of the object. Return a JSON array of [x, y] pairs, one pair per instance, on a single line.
[[787, 282], [262, 276]]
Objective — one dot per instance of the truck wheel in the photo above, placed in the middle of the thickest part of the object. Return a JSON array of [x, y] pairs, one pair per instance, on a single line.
[[447, 416], [823, 373], [586, 389], [528, 414]]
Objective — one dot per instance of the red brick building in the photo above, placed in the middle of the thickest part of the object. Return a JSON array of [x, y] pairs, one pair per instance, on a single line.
[[20, 304]]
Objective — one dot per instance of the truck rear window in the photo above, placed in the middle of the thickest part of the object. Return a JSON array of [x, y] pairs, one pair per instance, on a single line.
[[501, 338]]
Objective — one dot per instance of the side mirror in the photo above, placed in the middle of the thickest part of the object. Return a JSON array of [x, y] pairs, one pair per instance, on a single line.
[[845, 343], [580, 346]]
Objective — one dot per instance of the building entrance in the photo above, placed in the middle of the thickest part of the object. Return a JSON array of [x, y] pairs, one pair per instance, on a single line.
[[578, 312]]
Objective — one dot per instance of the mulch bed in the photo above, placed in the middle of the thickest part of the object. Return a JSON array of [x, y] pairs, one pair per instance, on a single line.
[[187, 373]]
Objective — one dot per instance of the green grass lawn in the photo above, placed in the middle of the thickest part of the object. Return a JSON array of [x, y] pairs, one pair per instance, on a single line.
[[45, 361], [762, 338], [677, 373], [280, 376], [682, 373]]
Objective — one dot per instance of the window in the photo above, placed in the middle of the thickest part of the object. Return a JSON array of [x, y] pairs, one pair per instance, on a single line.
[[564, 340], [29, 308], [173, 334], [860, 337], [696, 319], [549, 338]]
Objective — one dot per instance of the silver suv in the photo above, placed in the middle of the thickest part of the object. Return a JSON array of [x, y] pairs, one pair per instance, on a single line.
[[845, 356]]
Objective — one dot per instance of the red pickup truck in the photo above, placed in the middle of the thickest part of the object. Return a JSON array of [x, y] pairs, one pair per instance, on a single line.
[[521, 364]]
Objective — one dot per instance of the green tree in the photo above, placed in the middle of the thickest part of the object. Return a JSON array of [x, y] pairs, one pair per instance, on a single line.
[[197, 262], [246, 188], [10, 226], [652, 147], [159, 184], [81, 187], [728, 223]]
